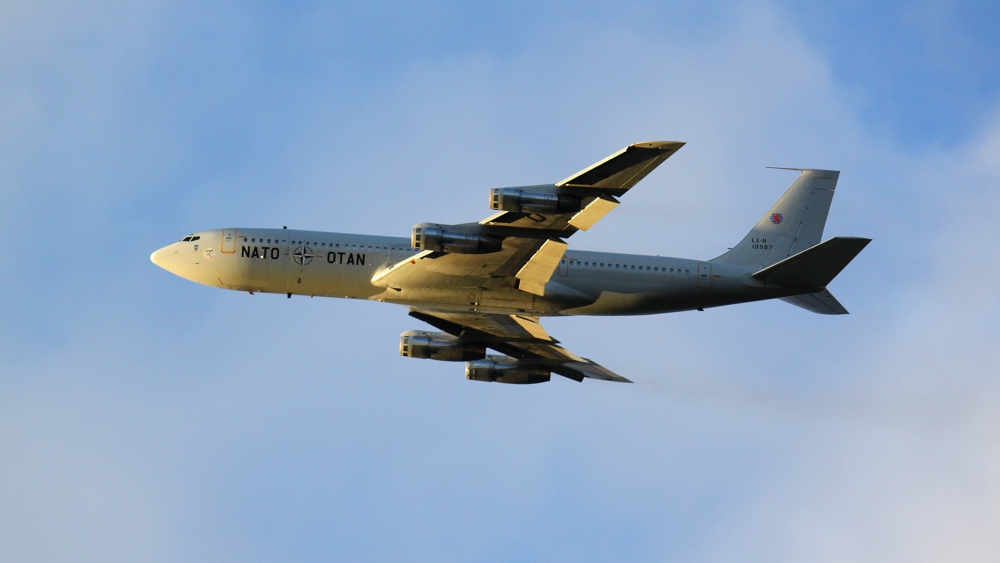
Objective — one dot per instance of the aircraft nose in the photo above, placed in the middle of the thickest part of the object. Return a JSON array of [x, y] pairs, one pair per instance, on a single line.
[[159, 257]]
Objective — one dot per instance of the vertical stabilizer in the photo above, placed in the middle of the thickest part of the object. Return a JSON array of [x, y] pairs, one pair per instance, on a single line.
[[793, 224]]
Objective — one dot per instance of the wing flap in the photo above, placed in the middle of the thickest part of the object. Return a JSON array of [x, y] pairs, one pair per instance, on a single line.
[[531, 326], [593, 212], [539, 268]]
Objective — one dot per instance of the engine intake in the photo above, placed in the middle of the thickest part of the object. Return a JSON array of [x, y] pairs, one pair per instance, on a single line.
[[502, 369], [427, 237], [514, 199], [438, 346]]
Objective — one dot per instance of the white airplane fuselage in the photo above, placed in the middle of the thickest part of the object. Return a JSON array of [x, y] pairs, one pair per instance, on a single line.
[[322, 264]]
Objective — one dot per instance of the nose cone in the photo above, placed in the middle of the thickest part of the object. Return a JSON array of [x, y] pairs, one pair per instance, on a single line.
[[182, 259], [159, 257]]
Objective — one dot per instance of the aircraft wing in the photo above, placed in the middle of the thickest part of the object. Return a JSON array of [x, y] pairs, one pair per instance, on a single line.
[[532, 244], [520, 337]]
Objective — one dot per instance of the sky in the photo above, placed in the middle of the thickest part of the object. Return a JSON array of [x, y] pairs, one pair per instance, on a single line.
[[146, 418]]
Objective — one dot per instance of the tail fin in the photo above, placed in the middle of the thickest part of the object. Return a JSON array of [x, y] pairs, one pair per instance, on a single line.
[[793, 224]]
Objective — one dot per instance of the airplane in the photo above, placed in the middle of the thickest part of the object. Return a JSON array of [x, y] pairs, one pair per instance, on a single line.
[[486, 285]]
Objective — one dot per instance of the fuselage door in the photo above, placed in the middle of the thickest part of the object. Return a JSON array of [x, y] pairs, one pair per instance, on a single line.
[[228, 241], [704, 275], [563, 267]]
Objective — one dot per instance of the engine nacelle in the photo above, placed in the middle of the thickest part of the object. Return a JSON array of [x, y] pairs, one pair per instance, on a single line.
[[438, 346], [518, 200], [503, 369], [430, 237]]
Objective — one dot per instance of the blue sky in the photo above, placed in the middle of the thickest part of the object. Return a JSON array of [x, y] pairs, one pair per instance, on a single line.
[[143, 417]]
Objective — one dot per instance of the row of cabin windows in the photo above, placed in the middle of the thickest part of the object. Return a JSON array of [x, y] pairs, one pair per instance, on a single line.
[[627, 267], [322, 244]]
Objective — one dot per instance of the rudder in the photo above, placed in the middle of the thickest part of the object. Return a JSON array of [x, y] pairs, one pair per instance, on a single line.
[[793, 224]]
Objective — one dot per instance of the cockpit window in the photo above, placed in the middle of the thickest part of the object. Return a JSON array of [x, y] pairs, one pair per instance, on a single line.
[[187, 238]]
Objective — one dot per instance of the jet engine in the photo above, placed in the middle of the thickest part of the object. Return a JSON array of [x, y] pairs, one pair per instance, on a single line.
[[431, 237], [503, 369], [438, 346], [518, 200]]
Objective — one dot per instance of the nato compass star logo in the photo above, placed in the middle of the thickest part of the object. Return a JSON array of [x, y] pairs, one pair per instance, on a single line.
[[303, 255], [777, 218]]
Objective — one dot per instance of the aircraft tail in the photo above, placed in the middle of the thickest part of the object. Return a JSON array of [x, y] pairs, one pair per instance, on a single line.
[[814, 268], [792, 225], [822, 302]]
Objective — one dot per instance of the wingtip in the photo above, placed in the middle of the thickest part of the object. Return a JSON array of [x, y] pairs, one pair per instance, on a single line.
[[659, 145]]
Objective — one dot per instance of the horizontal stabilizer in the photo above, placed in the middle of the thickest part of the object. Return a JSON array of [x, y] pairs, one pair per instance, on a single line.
[[815, 266], [823, 303]]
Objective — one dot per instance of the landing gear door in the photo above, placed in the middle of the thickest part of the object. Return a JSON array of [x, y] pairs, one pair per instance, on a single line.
[[704, 275], [228, 241]]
